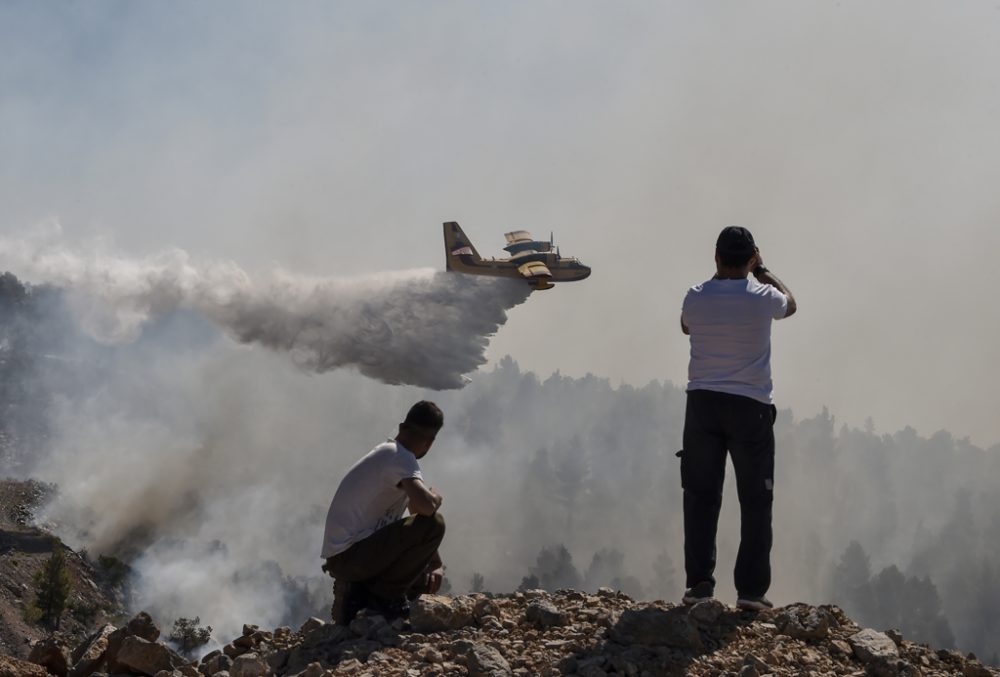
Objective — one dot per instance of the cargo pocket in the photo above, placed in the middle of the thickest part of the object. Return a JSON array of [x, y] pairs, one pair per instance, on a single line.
[[680, 455]]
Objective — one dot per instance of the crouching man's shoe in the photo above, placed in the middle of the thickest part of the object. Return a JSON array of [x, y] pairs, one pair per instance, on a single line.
[[348, 600], [390, 609], [752, 603], [699, 593]]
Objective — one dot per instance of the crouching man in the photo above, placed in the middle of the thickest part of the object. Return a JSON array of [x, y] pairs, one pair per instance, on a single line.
[[379, 559]]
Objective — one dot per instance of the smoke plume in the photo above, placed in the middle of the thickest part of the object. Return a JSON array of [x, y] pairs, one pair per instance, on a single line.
[[417, 327]]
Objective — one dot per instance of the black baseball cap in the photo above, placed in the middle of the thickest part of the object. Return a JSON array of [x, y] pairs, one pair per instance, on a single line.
[[735, 240]]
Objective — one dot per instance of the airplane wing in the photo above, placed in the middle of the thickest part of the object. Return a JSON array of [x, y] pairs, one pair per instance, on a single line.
[[533, 270]]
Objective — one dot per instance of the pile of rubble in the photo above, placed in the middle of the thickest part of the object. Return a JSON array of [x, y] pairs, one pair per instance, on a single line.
[[529, 633]]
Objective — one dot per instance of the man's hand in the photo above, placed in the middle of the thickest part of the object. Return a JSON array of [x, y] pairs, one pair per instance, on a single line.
[[434, 579], [435, 573], [765, 276]]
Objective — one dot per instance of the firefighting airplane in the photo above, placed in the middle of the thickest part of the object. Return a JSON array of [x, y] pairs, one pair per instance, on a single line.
[[534, 261]]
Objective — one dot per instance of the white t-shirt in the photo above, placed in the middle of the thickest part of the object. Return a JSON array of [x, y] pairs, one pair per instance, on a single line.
[[730, 325], [369, 497]]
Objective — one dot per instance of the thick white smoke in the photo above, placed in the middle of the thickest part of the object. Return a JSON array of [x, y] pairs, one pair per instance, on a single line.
[[417, 327], [210, 468]]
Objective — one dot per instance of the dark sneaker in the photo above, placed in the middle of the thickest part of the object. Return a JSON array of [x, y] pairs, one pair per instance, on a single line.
[[390, 609], [699, 593], [749, 603]]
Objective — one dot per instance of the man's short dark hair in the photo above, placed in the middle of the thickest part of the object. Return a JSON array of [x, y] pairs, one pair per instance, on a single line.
[[425, 415], [735, 246]]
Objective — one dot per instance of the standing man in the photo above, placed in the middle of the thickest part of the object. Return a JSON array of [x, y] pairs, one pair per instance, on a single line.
[[379, 559], [730, 407]]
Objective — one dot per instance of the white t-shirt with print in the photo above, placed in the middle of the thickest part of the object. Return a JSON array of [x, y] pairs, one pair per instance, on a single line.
[[369, 497], [730, 325]]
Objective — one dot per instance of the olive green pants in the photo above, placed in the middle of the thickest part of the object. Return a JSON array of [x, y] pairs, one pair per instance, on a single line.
[[390, 561]]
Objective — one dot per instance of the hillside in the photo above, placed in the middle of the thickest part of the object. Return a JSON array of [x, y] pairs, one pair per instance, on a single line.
[[97, 593], [531, 633], [524, 633]]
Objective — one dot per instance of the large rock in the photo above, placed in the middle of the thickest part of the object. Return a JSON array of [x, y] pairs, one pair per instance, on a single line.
[[87, 657], [311, 624], [52, 655], [147, 658], [141, 626], [873, 646], [435, 613], [249, 665], [543, 614], [653, 626], [800, 621], [218, 663], [13, 667], [482, 660], [707, 612]]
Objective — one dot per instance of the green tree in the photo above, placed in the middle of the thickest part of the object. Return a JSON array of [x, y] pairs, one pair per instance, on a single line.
[[188, 635], [852, 583], [52, 587], [554, 569], [478, 583]]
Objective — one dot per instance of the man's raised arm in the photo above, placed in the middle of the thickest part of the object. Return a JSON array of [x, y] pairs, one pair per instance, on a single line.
[[765, 276]]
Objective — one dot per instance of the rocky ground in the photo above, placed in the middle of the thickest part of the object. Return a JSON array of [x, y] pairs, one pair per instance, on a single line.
[[481, 635], [529, 633], [98, 593]]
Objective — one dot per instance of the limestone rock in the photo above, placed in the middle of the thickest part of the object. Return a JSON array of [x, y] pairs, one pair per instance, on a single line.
[[707, 612], [436, 613], [248, 665], [314, 669], [800, 621], [52, 655], [147, 658], [975, 669], [482, 660], [543, 614], [87, 657], [311, 624], [14, 667], [141, 626], [871, 645], [653, 626], [217, 663]]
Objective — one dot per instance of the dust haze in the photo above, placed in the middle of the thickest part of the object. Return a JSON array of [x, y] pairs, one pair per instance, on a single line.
[[218, 144]]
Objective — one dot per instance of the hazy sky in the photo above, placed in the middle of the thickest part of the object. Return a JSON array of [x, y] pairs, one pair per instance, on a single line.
[[857, 140]]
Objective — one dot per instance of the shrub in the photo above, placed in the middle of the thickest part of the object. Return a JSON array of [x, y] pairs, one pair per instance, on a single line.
[[113, 569], [188, 635]]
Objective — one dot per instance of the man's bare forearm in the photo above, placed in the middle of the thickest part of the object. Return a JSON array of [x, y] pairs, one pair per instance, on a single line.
[[765, 276]]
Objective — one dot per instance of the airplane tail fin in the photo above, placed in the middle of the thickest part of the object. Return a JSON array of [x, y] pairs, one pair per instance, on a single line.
[[457, 244]]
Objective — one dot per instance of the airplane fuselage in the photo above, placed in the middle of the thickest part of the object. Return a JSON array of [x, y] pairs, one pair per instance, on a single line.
[[563, 269], [531, 260]]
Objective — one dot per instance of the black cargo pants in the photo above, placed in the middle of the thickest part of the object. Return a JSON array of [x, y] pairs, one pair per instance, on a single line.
[[714, 423], [391, 560]]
